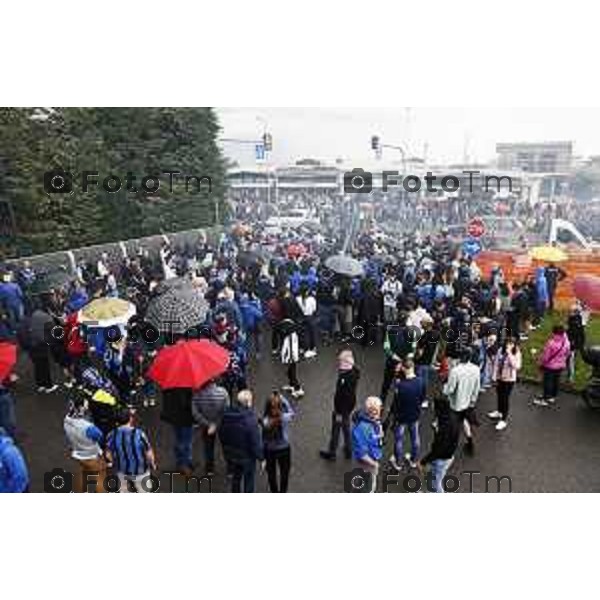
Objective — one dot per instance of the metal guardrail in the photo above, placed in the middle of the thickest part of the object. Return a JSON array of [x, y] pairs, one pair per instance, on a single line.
[[67, 260]]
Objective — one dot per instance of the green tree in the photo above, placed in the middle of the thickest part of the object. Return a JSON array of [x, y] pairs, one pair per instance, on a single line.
[[143, 141]]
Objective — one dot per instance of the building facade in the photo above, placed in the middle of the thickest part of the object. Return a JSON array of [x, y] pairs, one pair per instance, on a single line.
[[545, 157]]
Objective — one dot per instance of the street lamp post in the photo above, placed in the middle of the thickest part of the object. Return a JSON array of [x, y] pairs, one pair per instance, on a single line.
[[267, 144], [378, 147]]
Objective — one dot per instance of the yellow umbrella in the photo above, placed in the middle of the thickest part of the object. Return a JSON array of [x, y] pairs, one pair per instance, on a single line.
[[106, 312], [548, 254]]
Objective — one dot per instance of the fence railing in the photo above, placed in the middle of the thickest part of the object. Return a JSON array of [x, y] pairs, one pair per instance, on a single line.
[[67, 260]]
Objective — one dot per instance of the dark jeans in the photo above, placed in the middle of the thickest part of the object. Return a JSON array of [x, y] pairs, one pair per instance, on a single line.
[[340, 424], [551, 381], [281, 458], [275, 338], [429, 376], [242, 471], [388, 377], [292, 375], [183, 446], [8, 417], [513, 324], [503, 392], [209, 448], [40, 357], [15, 315], [309, 337], [326, 319], [369, 337], [551, 294]]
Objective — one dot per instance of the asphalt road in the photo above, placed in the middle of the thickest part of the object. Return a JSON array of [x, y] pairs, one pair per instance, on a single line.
[[542, 450]]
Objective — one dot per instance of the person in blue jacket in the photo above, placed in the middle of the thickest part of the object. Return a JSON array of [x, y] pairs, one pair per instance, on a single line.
[[252, 317], [367, 438], [295, 282], [311, 279], [12, 301], [14, 475], [78, 298], [542, 297]]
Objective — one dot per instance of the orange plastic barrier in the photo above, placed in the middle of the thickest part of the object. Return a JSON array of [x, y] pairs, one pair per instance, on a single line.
[[517, 266]]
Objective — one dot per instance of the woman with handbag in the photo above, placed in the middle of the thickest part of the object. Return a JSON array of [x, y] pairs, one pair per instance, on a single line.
[[553, 362]]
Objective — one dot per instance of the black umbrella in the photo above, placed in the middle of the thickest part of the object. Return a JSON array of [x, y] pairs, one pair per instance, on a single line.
[[345, 265], [176, 307]]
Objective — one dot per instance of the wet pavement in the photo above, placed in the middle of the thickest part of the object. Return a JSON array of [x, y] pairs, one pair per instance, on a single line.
[[543, 449]]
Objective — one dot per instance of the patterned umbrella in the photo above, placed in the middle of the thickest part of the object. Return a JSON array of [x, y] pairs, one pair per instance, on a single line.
[[177, 307], [345, 265], [106, 312]]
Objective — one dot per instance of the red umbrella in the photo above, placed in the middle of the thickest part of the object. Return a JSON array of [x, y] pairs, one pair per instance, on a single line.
[[587, 289], [188, 364], [8, 359]]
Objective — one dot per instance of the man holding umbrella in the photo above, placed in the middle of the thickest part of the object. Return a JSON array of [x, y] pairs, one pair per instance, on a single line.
[[177, 411], [179, 369], [208, 406]]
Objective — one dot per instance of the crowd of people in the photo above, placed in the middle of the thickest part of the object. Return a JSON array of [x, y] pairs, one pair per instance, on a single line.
[[447, 333]]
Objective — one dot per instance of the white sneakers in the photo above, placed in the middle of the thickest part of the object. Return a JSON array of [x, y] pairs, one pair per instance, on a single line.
[[413, 465], [45, 390], [298, 393], [310, 354], [501, 425], [394, 463], [544, 401]]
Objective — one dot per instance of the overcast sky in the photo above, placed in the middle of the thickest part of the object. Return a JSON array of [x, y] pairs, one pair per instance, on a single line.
[[449, 133]]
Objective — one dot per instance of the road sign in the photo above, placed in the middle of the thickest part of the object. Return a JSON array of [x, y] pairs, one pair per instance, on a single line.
[[471, 247], [476, 228], [260, 151]]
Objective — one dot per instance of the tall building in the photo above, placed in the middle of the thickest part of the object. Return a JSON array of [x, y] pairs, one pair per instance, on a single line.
[[544, 157]]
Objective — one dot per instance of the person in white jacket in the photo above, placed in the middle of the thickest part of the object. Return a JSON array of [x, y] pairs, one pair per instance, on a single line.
[[290, 356], [308, 305], [391, 290]]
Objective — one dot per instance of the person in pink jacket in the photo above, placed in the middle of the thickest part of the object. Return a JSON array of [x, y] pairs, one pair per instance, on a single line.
[[507, 365], [553, 362]]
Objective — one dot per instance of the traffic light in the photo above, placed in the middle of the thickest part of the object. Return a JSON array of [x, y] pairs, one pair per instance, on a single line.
[[375, 143], [268, 142]]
